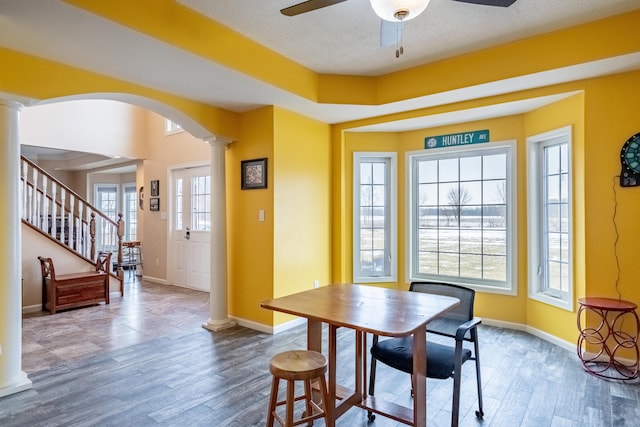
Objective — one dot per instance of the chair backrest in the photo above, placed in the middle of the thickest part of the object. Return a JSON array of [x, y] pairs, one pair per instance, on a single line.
[[103, 260], [46, 265], [449, 321]]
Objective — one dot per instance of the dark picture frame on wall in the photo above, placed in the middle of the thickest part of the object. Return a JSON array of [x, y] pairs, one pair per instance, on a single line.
[[154, 204], [155, 188], [253, 174]]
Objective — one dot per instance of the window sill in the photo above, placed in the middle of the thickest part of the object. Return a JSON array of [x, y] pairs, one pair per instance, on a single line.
[[550, 299], [377, 279]]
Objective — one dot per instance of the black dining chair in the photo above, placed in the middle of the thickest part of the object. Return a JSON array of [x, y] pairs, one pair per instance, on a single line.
[[443, 361]]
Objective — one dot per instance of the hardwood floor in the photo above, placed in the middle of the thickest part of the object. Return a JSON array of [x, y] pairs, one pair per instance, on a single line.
[[145, 360]]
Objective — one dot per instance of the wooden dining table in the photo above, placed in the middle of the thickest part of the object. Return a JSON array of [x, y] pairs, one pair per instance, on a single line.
[[367, 309]]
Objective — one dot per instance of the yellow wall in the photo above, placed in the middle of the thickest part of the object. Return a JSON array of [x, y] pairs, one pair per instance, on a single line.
[[302, 203], [612, 116], [290, 249], [250, 242], [558, 322]]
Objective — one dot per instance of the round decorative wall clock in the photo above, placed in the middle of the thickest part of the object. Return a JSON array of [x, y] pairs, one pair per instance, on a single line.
[[630, 161]]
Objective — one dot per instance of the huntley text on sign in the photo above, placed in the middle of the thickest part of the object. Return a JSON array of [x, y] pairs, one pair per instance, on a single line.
[[455, 139]]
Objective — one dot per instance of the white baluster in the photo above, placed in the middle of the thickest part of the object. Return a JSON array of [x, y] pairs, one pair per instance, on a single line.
[[72, 202], [63, 199], [80, 239], [44, 225], [25, 173], [88, 231], [34, 198], [54, 223]]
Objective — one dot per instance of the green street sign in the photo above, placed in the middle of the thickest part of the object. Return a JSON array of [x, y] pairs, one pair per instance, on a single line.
[[455, 139]]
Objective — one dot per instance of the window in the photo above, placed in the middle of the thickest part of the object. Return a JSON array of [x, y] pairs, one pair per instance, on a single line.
[[549, 216], [201, 203], [106, 201], [462, 206], [374, 217], [106, 196], [171, 127], [178, 204], [130, 212]]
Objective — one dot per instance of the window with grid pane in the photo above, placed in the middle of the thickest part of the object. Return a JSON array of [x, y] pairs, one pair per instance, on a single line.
[[130, 212], [461, 216], [201, 203], [550, 273], [374, 217], [106, 197], [178, 204]]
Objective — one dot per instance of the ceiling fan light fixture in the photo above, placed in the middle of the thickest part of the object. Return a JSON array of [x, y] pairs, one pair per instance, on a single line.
[[398, 10]]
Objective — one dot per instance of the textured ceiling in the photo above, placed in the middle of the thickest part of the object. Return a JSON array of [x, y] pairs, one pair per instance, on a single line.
[[344, 38]]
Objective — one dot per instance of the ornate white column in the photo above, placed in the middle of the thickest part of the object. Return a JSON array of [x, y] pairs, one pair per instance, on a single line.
[[12, 378], [218, 301]]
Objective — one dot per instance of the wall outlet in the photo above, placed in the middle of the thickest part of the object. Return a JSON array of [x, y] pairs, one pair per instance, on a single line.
[[157, 262], [316, 283]]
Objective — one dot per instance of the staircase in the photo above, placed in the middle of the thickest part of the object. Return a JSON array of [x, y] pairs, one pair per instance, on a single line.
[[56, 211]]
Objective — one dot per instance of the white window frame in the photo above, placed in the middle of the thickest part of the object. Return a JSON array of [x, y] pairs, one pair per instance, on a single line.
[[107, 188], [129, 189], [509, 287], [538, 289], [106, 240], [391, 220], [171, 127]]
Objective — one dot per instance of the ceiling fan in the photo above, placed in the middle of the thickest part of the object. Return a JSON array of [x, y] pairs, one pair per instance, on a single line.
[[392, 13], [310, 5]]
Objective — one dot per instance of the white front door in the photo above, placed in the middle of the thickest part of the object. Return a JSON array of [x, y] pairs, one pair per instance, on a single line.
[[190, 222]]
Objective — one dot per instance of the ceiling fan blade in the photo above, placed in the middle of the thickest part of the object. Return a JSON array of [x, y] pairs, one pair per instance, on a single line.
[[389, 32], [501, 3], [308, 6]]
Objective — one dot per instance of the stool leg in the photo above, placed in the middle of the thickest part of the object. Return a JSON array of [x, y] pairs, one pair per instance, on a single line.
[[326, 408], [290, 402], [273, 400], [307, 400]]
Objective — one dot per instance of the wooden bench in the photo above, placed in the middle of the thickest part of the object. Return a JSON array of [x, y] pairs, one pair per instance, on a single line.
[[62, 291]]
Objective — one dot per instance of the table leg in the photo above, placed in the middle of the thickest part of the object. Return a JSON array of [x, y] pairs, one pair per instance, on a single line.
[[360, 366], [330, 407], [314, 335], [420, 378]]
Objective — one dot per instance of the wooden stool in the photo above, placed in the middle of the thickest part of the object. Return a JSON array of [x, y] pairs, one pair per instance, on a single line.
[[297, 365]]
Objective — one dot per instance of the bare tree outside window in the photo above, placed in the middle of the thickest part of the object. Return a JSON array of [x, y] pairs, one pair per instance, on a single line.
[[457, 198]]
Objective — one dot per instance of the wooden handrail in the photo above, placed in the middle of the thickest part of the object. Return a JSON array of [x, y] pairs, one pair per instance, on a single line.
[[78, 218], [51, 177]]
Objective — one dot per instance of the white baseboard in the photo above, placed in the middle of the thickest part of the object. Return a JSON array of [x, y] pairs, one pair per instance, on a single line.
[[269, 329], [490, 322], [604, 358], [569, 346], [260, 327], [32, 309], [156, 280]]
